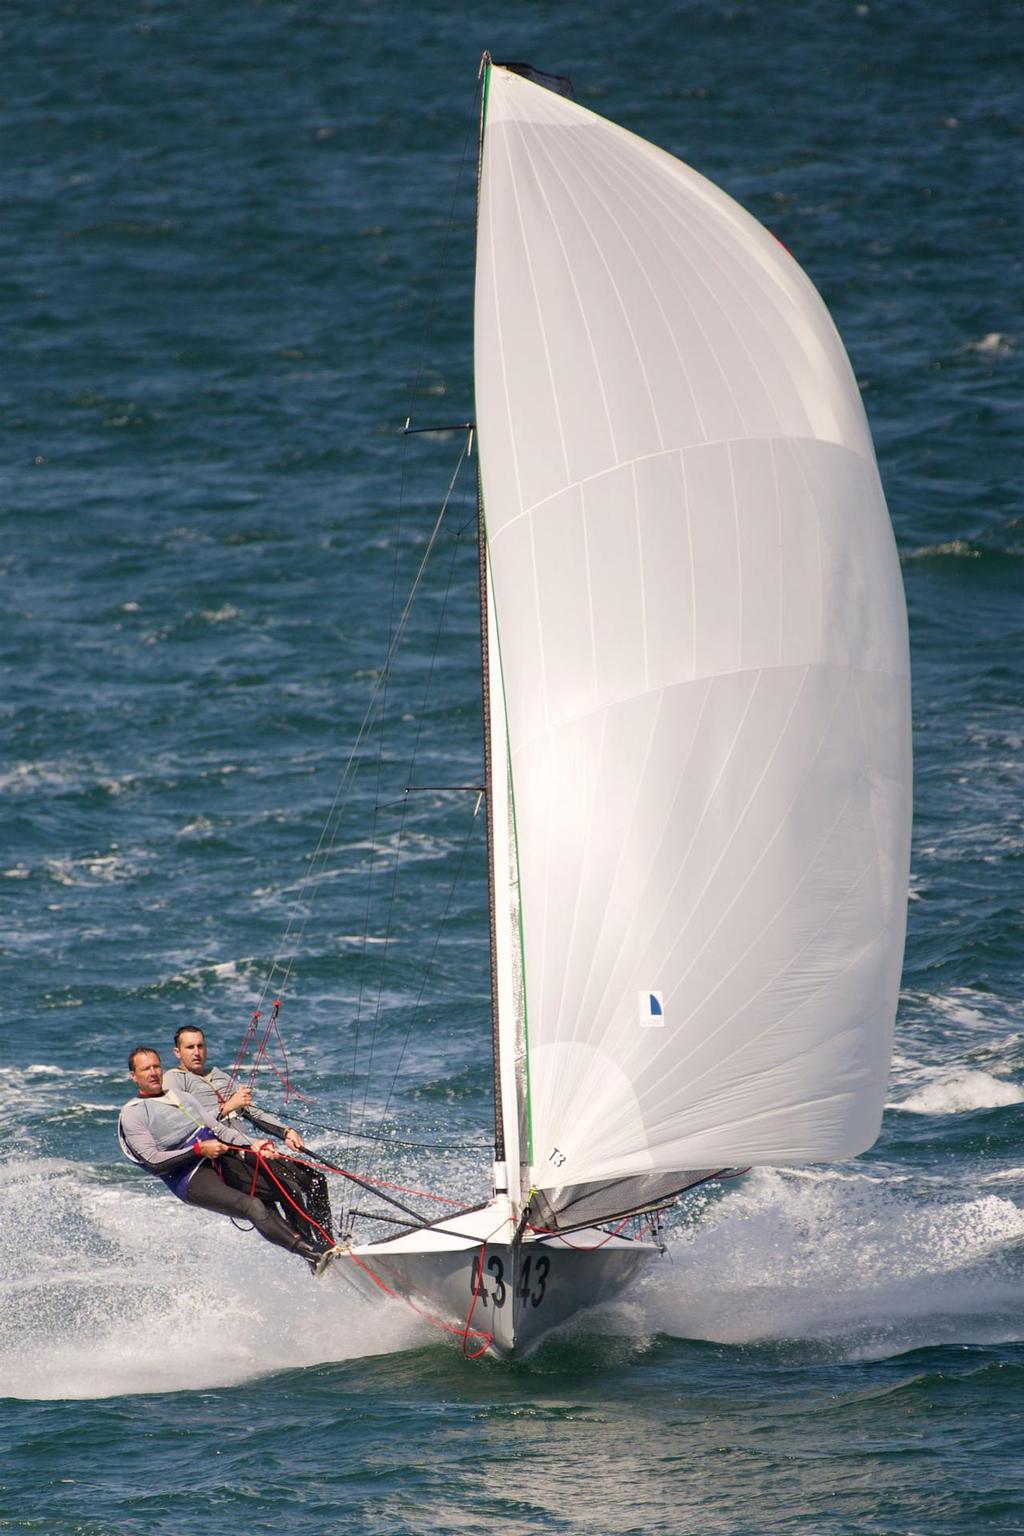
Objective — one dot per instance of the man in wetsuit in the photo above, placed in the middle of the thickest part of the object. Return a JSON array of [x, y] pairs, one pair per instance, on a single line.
[[223, 1104], [168, 1134]]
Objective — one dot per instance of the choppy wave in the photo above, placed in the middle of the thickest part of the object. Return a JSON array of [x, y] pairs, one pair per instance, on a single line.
[[860, 1270], [992, 344], [957, 1092], [109, 1288], [964, 549]]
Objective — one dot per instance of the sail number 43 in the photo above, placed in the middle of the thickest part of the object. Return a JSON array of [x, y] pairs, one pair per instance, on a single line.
[[490, 1287]]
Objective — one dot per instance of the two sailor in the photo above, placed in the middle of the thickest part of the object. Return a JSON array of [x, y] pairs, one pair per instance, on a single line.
[[179, 1127]]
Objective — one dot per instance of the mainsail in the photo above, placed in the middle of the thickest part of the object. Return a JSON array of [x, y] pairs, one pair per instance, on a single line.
[[699, 675]]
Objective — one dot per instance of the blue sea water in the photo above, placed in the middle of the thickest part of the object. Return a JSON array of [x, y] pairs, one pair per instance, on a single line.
[[235, 253]]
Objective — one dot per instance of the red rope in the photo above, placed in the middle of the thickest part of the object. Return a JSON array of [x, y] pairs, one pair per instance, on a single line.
[[465, 1332], [582, 1247], [478, 1287], [253, 1036], [250, 1034], [364, 1178], [400, 1189], [263, 1164]]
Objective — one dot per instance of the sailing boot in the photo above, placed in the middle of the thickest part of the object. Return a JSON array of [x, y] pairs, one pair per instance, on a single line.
[[318, 1259]]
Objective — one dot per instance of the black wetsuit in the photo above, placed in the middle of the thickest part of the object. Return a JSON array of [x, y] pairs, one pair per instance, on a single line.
[[306, 1186], [160, 1134]]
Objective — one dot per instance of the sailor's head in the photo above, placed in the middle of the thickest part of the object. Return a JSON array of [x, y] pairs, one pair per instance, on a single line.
[[190, 1048], [144, 1066]]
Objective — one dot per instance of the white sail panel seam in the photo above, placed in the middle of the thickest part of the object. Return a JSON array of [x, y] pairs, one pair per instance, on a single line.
[[696, 903], [527, 742], [779, 563], [736, 827], [536, 299], [770, 1029], [618, 294], [813, 501], [777, 1159], [681, 448], [548, 863], [624, 186], [693, 561], [539, 631], [579, 304], [640, 574], [683, 297], [721, 209], [580, 892], [698, 1007], [628, 930], [638, 791], [669, 329], [581, 499], [499, 334], [739, 559], [719, 251]]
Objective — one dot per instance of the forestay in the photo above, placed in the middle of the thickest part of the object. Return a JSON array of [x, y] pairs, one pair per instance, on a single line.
[[704, 663]]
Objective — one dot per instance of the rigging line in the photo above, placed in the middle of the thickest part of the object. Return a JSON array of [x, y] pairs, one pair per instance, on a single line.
[[331, 824], [396, 1141], [396, 865], [262, 1165], [324, 848], [426, 973], [396, 1221], [428, 323], [396, 870], [377, 788]]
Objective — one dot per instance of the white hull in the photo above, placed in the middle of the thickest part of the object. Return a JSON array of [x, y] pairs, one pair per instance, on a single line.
[[496, 1295]]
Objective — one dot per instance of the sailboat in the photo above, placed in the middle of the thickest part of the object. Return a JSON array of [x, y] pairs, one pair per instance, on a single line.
[[697, 723]]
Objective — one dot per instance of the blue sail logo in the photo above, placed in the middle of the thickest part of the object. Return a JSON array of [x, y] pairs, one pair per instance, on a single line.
[[651, 1009]]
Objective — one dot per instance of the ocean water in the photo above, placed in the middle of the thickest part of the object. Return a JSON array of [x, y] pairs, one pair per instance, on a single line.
[[236, 253]]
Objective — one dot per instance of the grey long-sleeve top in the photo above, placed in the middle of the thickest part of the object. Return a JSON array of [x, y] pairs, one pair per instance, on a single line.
[[210, 1089], [158, 1132]]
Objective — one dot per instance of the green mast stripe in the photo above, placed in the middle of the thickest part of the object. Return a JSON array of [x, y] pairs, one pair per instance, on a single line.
[[508, 745], [515, 840]]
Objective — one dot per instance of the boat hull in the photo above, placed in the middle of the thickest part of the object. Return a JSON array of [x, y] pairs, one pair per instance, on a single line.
[[498, 1297]]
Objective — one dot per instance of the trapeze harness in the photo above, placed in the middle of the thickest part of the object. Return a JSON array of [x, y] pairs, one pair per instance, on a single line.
[[176, 1179]]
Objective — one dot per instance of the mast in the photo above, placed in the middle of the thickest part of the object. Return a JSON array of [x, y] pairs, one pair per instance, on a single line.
[[499, 1117]]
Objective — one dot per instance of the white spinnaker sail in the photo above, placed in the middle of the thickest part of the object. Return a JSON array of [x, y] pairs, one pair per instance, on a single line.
[[704, 660]]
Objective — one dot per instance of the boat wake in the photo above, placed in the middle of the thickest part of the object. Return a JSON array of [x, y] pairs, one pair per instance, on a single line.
[[854, 1265], [107, 1290]]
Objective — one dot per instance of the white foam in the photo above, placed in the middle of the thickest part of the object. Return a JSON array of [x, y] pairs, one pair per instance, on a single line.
[[118, 1288], [957, 1092], [96, 869], [865, 1271], [28, 777], [992, 344], [108, 1285]]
